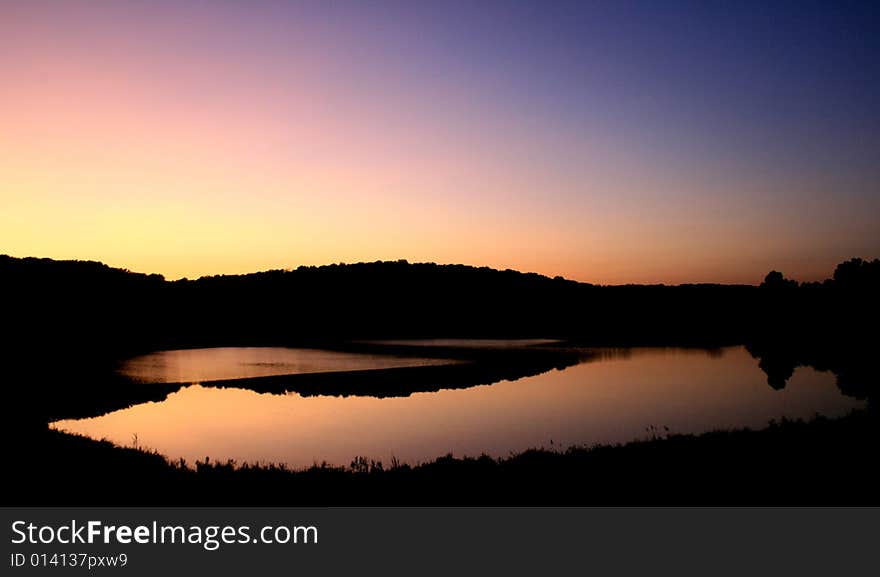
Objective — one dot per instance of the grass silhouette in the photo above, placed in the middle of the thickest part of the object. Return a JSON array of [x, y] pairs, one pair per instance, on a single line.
[[818, 462]]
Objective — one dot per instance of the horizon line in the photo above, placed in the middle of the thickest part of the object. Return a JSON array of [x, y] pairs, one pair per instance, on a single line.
[[390, 261]]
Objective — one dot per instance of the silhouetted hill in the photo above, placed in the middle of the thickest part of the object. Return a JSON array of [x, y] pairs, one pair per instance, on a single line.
[[77, 303], [66, 322], [68, 307]]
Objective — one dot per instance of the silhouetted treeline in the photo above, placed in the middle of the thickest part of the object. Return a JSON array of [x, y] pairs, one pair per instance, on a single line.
[[832, 325], [90, 305], [86, 304], [66, 323]]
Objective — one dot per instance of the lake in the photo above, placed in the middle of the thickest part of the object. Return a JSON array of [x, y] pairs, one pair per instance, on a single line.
[[613, 396], [195, 365]]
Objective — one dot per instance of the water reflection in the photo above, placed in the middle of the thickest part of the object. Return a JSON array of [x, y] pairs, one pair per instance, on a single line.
[[197, 365], [612, 399], [465, 343]]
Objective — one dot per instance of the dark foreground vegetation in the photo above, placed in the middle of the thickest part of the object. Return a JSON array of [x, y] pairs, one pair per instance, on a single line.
[[67, 324], [821, 462]]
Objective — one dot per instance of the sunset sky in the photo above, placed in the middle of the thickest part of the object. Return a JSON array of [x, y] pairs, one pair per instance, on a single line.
[[608, 142]]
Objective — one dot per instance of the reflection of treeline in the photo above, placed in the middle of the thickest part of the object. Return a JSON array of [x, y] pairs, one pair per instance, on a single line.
[[64, 321], [87, 304], [832, 325]]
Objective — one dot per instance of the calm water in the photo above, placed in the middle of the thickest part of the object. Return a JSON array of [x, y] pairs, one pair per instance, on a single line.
[[197, 365], [467, 343], [610, 399]]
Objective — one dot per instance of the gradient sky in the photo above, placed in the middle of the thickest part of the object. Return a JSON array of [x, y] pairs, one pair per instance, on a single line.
[[607, 142]]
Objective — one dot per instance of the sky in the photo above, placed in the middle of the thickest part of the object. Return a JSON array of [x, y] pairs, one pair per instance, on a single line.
[[607, 142]]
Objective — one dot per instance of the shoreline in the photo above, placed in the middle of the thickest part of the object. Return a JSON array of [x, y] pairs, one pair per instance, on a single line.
[[821, 461]]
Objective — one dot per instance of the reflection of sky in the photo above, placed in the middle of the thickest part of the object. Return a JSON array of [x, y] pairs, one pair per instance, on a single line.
[[608, 142], [613, 399], [220, 363]]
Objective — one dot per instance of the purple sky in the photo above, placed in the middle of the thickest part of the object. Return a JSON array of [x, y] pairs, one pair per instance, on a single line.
[[604, 141]]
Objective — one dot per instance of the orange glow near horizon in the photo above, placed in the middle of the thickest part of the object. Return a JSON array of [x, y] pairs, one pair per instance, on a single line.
[[226, 143]]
